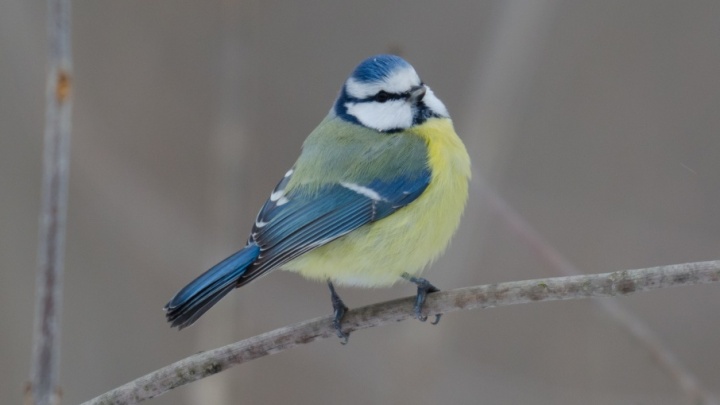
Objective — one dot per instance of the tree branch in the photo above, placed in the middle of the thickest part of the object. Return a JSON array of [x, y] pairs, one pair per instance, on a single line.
[[486, 296], [46, 336], [694, 391]]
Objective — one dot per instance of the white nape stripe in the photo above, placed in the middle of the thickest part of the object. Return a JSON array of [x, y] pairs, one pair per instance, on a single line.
[[399, 81], [434, 103], [276, 195], [362, 190]]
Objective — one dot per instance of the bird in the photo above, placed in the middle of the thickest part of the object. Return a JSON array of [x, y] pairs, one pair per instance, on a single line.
[[375, 196]]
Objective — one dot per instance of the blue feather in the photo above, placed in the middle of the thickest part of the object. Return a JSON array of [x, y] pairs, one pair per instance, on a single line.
[[307, 221], [377, 68], [284, 231], [203, 292]]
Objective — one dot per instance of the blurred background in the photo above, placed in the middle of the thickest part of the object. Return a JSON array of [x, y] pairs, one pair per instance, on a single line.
[[595, 122]]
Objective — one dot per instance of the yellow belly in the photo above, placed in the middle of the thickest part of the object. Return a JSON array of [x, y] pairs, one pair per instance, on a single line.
[[406, 241]]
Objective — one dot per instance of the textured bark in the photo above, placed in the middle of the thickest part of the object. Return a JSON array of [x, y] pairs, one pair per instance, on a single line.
[[486, 296], [43, 389]]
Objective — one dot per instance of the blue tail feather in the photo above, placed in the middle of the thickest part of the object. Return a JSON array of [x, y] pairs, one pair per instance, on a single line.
[[206, 290]]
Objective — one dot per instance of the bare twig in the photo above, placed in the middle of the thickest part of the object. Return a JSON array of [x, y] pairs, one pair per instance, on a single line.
[[633, 325], [486, 296], [44, 370]]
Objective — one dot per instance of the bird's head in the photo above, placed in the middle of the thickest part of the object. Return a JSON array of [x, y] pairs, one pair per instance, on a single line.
[[385, 93]]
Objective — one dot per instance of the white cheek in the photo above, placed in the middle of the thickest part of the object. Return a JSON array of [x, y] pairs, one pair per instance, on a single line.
[[382, 116], [434, 103]]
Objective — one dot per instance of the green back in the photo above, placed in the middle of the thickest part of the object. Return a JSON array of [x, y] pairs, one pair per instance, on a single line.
[[340, 151]]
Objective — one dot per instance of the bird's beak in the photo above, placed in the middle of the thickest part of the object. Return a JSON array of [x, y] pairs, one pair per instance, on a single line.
[[417, 93]]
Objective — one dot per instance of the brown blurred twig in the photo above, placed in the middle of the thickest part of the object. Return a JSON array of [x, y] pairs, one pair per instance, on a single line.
[[44, 369], [633, 325], [486, 296]]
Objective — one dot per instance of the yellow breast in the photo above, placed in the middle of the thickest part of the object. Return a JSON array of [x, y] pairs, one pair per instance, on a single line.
[[406, 241]]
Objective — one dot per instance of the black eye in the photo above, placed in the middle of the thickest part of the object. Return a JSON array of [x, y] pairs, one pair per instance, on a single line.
[[382, 96]]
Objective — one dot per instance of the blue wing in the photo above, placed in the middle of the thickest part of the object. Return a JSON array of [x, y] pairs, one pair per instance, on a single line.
[[290, 225]]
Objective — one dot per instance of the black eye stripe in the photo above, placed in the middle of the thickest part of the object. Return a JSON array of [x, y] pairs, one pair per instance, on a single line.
[[382, 98]]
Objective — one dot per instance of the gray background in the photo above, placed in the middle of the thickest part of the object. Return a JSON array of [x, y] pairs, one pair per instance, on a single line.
[[597, 121]]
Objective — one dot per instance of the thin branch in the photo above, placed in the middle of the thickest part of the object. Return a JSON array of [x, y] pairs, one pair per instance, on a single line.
[[632, 324], [486, 296], [46, 335]]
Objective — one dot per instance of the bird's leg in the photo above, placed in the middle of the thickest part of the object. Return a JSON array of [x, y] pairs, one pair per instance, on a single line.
[[339, 310], [423, 288]]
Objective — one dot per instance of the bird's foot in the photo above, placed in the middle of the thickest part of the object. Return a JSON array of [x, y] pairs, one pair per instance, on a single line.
[[339, 310], [423, 289]]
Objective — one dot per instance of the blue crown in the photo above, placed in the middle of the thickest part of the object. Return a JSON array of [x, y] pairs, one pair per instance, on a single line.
[[378, 67]]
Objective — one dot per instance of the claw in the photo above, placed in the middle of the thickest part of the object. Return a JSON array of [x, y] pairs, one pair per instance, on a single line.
[[339, 310], [423, 289], [437, 319]]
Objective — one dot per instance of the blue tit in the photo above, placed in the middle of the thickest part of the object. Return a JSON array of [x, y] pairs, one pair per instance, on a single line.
[[376, 195]]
